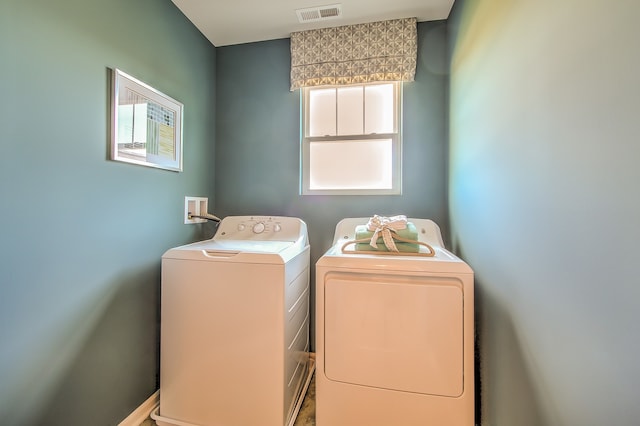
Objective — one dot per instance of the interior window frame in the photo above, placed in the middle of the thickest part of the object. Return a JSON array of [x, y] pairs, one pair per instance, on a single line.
[[306, 140]]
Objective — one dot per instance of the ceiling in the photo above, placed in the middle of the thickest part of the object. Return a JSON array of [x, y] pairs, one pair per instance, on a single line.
[[228, 22]]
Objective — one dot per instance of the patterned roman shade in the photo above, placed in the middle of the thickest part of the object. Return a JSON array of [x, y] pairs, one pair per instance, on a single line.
[[355, 54]]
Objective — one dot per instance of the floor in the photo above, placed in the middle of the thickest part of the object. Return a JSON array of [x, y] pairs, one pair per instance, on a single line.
[[306, 415]]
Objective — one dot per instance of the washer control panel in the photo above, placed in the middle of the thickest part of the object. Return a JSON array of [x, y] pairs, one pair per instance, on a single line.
[[261, 228]]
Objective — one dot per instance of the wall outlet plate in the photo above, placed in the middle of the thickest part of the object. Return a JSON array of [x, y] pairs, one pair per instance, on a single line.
[[195, 206]]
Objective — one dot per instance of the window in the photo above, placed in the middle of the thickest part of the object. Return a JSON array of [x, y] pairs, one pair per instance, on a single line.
[[351, 142]]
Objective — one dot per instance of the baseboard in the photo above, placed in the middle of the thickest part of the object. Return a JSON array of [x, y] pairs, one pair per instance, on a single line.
[[141, 413]]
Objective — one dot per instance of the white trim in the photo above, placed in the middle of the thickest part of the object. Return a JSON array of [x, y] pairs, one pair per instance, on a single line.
[[141, 413], [395, 136]]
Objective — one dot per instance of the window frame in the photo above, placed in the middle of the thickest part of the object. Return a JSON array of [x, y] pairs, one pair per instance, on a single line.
[[306, 140]]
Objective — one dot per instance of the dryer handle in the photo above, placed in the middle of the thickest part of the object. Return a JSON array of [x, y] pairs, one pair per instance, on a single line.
[[429, 253]]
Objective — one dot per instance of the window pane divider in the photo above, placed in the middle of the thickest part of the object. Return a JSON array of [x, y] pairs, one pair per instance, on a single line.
[[351, 137]]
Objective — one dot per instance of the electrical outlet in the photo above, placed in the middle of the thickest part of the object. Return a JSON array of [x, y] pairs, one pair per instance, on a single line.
[[195, 206]]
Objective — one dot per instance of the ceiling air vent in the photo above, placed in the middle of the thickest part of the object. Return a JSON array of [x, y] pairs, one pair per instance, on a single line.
[[319, 13]]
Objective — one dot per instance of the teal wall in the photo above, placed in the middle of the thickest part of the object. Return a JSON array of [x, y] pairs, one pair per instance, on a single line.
[[529, 152], [544, 204], [81, 236], [258, 141]]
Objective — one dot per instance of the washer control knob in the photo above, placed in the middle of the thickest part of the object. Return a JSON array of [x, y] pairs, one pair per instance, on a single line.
[[241, 227], [277, 227], [258, 228]]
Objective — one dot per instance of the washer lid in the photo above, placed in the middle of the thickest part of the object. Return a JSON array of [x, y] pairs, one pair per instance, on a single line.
[[249, 246], [240, 251], [249, 239]]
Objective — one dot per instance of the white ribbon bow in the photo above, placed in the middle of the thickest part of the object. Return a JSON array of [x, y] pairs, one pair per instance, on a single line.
[[385, 226]]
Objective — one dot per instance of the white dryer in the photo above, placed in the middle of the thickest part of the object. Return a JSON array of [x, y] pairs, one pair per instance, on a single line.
[[394, 335], [234, 344]]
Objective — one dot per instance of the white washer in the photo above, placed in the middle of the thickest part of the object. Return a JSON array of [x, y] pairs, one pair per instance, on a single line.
[[234, 345], [394, 335]]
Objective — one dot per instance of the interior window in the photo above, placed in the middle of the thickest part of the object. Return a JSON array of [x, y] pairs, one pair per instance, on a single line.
[[351, 141]]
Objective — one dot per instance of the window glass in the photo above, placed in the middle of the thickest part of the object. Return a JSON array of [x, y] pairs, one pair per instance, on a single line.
[[379, 115], [322, 112], [356, 164], [350, 110]]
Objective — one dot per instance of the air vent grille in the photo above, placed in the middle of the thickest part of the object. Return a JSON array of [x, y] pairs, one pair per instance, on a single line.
[[319, 13], [328, 13]]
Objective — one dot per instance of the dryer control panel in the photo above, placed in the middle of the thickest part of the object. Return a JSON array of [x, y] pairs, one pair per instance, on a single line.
[[261, 228]]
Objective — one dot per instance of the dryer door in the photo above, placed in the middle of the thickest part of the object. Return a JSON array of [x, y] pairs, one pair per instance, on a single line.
[[395, 332]]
